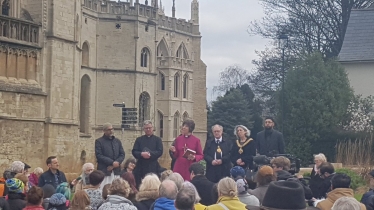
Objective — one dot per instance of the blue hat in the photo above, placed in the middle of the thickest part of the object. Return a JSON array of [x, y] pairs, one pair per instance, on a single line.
[[57, 199], [15, 185], [237, 171]]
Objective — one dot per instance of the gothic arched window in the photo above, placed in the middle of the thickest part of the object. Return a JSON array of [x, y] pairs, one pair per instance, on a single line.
[[84, 106], [176, 85], [144, 57], [185, 86]]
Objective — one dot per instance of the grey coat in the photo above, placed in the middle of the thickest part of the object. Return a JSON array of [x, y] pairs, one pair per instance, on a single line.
[[259, 192]]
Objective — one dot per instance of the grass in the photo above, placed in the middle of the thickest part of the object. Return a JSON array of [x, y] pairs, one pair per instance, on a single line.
[[358, 197]]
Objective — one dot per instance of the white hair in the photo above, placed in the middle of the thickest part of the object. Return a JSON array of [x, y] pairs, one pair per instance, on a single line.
[[38, 170], [191, 187], [147, 122], [346, 203], [320, 157], [84, 168], [248, 132], [106, 126], [219, 126], [17, 167]]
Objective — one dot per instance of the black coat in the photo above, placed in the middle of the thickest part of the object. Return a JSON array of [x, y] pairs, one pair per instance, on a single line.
[[16, 201], [249, 151], [275, 142], [217, 172], [144, 205], [315, 185], [4, 204], [108, 151], [205, 189], [49, 178], [153, 145]]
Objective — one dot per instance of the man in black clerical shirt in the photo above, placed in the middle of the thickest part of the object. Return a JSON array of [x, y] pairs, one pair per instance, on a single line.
[[217, 155], [147, 149], [270, 141]]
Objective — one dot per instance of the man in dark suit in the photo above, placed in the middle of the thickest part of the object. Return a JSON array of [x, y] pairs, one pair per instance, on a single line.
[[217, 155], [203, 186], [270, 141]]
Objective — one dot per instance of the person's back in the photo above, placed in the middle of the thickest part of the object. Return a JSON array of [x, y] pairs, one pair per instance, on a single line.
[[203, 186], [340, 184], [168, 193]]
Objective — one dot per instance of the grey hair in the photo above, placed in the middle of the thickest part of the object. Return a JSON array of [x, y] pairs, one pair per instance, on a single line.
[[190, 187], [38, 170], [147, 122], [17, 167], [219, 126], [248, 132], [168, 189], [84, 175], [106, 126], [346, 203], [321, 157], [177, 179]]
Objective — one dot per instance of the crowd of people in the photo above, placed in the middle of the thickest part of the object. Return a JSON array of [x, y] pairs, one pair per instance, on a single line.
[[225, 183]]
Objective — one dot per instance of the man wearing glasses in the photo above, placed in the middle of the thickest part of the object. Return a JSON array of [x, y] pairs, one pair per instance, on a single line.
[[147, 149], [109, 154], [269, 141]]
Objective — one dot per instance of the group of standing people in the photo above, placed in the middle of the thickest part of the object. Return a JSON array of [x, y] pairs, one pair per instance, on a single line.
[[220, 153]]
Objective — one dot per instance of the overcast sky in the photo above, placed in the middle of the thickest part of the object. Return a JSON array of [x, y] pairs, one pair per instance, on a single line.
[[223, 25]]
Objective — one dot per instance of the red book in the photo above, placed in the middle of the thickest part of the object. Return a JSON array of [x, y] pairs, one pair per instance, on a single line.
[[188, 152]]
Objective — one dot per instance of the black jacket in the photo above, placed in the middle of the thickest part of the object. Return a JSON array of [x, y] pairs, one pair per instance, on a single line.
[[249, 151], [4, 204], [49, 178], [315, 185], [16, 201], [205, 189], [144, 205], [153, 145], [107, 151], [274, 143], [217, 172]]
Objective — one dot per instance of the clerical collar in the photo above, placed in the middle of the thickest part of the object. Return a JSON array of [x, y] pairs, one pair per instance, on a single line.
[[187, 136]]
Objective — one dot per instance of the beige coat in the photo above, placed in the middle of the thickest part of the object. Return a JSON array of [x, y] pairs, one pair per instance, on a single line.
[[335, 195]]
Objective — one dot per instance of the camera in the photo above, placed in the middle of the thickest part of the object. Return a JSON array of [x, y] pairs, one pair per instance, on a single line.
[[261, 160]]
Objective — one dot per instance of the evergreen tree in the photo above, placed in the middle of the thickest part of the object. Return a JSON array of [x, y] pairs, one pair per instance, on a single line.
[[230, 110], [317, 95]]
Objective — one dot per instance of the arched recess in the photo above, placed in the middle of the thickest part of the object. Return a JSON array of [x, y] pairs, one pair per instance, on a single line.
[[85, 54], [84, 106], [144, 107], [185, 116], [145, 57], [182, 52], [5, 7], [176, 84], [162, 48], [185, 85], [176, 124], [160, 124], [162, 81]]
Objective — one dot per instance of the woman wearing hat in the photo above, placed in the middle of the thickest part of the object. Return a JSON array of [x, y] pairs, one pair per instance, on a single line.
[[244, 148], [228, 196], [16, 196]]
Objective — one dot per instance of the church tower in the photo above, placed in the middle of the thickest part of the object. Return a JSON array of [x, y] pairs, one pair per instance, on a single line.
[[195, 12]]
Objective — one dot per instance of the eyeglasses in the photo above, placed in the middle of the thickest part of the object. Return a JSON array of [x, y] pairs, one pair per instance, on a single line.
[[148, 128], [110, 129]]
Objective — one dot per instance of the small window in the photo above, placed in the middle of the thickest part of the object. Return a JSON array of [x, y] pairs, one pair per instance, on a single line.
[[176, 85], [144, 58], [162, 81], [161, 124], [185, 86], [176, 125]]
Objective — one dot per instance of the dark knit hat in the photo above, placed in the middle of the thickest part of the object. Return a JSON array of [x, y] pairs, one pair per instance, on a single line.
[[285, 195], [15, 185], [372, 173], [48, 190], [237, 171]]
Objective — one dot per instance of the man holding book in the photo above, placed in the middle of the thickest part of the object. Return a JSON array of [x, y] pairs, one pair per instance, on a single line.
[[217, 155], [147, 149]]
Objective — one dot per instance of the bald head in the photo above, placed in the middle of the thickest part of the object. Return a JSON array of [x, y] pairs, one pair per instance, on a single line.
[[168, 189]]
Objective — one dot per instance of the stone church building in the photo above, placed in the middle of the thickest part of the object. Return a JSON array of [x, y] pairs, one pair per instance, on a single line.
[[64, 63]]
